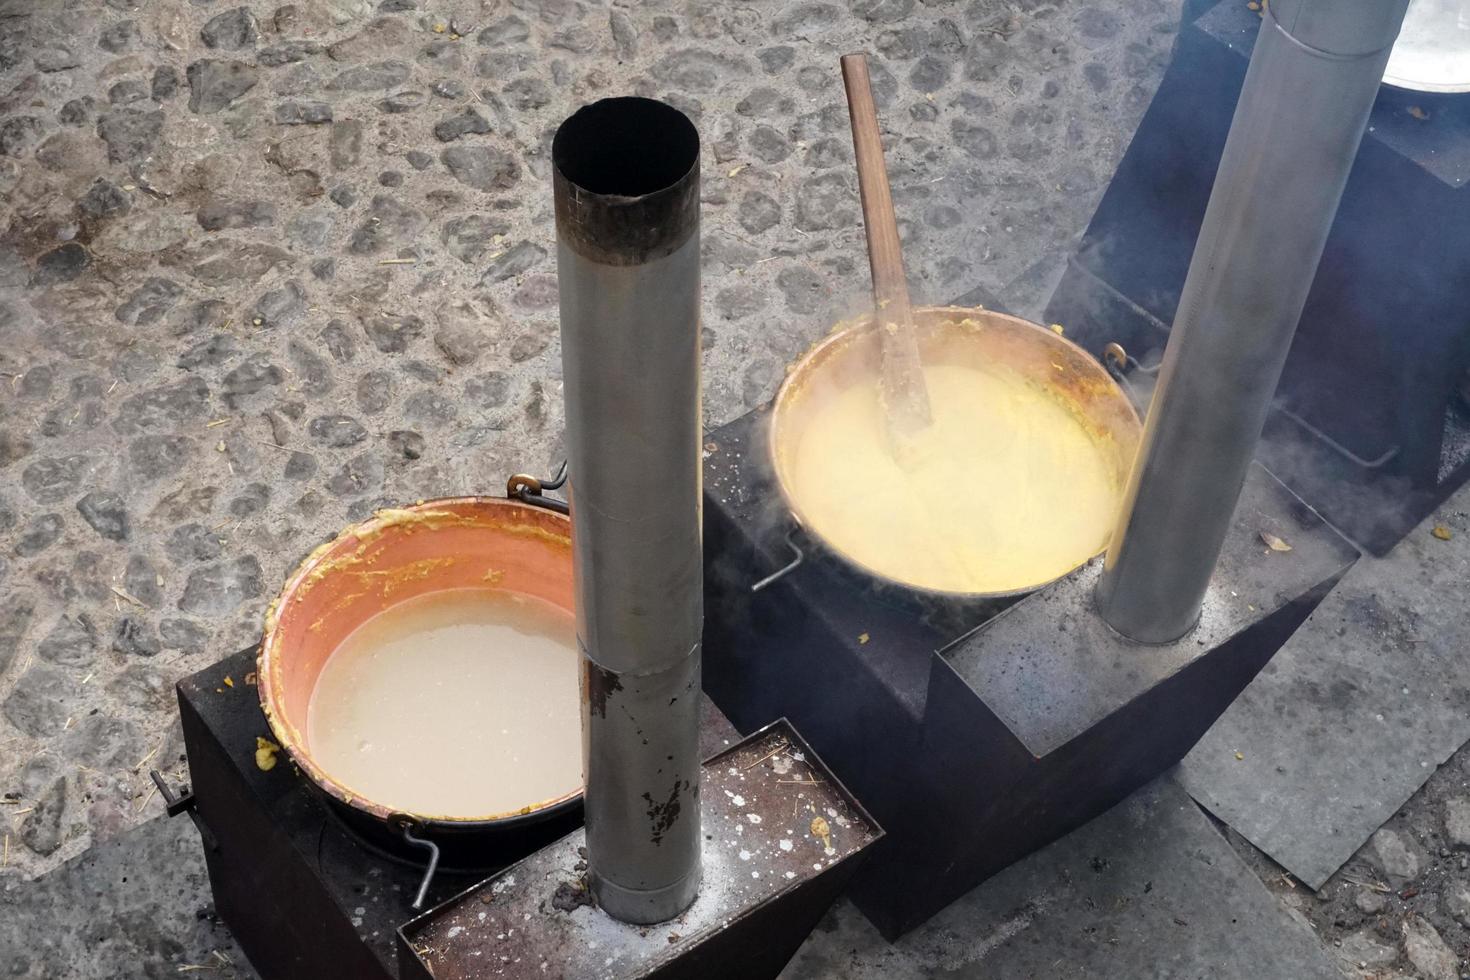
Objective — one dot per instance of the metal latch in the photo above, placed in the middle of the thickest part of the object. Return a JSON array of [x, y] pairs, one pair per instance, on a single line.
[[185, 802]]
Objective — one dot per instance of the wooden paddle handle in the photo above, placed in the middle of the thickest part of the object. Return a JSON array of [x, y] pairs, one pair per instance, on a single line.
[[890, 288]]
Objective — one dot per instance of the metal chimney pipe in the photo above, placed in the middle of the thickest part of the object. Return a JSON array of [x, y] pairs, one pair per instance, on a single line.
[[626, 180], [1311, 83]]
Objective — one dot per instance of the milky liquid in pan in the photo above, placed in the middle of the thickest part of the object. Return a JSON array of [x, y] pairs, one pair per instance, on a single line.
[[457, 703]]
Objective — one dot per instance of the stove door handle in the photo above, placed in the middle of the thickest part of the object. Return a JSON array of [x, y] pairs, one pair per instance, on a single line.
[[185, 802]]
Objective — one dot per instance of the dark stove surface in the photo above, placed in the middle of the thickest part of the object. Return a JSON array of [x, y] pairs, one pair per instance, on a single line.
[[305, 897]]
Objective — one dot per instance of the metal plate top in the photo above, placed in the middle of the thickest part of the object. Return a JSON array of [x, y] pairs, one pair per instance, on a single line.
[[1432, 53]]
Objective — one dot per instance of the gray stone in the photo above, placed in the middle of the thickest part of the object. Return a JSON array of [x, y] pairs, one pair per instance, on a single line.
[[135, 638], [54, 479], [442, 55], [219, 261], [489, 390], [56, 57], [931, 73], [337, 431], [459, 338], [343, 195], [740, 300], [825, 202], [210, 352], [40, 533], [528, 345], [16, 612], [127, 92], [197, 316], [1457, 821], [143, 686], [141, 580], [255, 374], [1429, 954], [192, 543], [149, 302], [286, 53], [181, 634], [389, 222], [294, 113], [165, 406], [448, 88], [62, 264], [805, 291], [13, 447], [471, 236], [39, 703], [251, 500], [338, 340], [106, 513], [41, 830], [18, 135], [462, 123], [374, 77], [75, 112], [280, 306], [374, 392], [214, 84], [392, 334], [408, 444], [976, 140], [72, 641], [430, 407], [104, 199], [624, 35], [1455, 901], [514, 261], [165, 83], [382, 34], [769, 145], [312, 372], [358, 476], [418, 159], [390, 178], [777, 59], [1393, 855], [220, 588], [300, 466], [506, 31], [345, 143], [99, 741], [1362, 949], [758, 212], [159, 456], [119, 37], [400, 102], [484, 168]]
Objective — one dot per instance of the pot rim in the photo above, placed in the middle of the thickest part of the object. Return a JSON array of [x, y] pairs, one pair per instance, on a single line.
[[841, 334], [268, 664]]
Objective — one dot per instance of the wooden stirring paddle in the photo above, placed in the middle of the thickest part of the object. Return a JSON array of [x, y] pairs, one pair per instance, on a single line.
[[903, 395]]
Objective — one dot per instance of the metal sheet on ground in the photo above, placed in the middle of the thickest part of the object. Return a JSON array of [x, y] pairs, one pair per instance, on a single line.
[[1149, 889], [1355, 712]]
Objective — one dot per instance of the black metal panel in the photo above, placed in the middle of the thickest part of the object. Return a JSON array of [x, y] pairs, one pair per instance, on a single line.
[[782, 839]]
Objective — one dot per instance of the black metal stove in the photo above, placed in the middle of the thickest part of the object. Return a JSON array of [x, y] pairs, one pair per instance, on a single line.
[[305, 895], [1367, 425], [308, 898], [977, 735]]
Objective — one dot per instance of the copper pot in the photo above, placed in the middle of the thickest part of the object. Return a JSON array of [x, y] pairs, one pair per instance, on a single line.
[[393, 556], [955, 335]]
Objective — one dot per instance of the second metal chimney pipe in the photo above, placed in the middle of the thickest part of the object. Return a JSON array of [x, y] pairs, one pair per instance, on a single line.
[[1311, 83], [626, 181]]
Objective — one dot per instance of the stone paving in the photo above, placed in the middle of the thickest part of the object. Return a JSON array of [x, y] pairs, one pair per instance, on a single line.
[[266, 268]]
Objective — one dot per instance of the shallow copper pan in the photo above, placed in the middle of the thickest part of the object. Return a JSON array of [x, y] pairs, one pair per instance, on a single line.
[[954, 335], [395, 555]]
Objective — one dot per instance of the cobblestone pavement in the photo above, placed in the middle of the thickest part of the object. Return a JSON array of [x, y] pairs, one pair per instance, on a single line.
[[266, 268]]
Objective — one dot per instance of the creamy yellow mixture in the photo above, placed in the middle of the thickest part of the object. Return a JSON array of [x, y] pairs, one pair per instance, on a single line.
[[457, 703], [1005, 490]]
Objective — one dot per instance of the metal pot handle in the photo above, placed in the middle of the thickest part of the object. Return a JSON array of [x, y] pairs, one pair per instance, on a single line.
[[528, 490], [1118, 361], [789, 567], [406, 826]]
